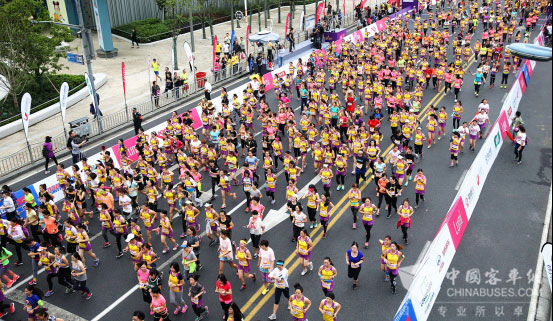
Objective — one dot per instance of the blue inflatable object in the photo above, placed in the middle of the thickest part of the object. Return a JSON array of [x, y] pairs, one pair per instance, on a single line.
[[530, 51]]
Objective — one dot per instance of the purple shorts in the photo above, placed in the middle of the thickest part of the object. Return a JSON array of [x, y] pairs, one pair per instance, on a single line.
[[420, 192], [398, 176], [226, 189], [207, 126], [342, 172], [454, 152], [328, 285], [87, 248], [323, 219], [482, 127], [169, 234], [150, 228], [271, 189], [391, 271], [245, 269], [441, 125], [473, 137], [431, 131], [305, 257], [382, 261]]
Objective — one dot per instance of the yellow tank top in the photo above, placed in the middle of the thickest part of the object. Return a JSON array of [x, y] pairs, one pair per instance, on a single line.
[[328, 312], [241, 257], [303, 246], [297, 307], [392, 260], [367, 212]]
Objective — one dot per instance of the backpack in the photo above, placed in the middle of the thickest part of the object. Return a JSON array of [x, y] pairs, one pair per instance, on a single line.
[[68, 145], [44, 151]]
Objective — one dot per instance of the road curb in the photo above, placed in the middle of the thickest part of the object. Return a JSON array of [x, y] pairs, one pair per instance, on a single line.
[[540, 302]]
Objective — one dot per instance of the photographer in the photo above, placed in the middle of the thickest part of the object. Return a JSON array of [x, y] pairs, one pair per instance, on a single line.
[[74, 144]]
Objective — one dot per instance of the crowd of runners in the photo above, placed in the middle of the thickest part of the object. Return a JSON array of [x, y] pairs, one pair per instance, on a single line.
[[346, 100]]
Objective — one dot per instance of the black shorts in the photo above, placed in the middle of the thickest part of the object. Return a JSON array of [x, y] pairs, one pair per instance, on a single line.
[[453, 157], [418, 149], [279, 291], [353, 273]]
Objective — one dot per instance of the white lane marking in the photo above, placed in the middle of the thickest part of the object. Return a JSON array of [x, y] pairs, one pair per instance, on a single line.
[[460, 181]]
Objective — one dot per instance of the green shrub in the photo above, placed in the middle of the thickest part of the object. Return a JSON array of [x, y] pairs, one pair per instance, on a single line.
[[43, 94]]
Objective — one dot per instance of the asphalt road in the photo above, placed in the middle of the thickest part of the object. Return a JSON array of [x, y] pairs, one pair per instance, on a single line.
[[503, 233]]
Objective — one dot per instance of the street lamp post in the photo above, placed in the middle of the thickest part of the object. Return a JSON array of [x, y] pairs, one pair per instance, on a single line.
[[88, 54]]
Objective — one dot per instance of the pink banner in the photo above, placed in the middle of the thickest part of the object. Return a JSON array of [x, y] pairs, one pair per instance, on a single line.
[[457, 221], [363, 3], [381, 24], [248, 40], [214, 48], [320, 10], [529, 67], [503, 123], [123, 75], [268, 81], [196, 114], [130, 145], [287, 23]]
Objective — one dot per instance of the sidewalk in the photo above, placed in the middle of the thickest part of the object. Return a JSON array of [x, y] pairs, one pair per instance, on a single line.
[[136, 65]]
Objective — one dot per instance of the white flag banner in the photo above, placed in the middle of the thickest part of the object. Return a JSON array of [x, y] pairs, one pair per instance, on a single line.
[[26, 112], [189, 54], [89, 85], [64, 92]]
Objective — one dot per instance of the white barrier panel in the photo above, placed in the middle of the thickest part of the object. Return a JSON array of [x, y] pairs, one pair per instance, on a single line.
[[418, 302]]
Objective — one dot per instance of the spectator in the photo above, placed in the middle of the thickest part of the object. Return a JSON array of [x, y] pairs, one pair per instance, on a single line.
[[207, 88], [243, 44], [177, 84], [96, 111], [168, 80], [137, 121], [281, 53], [184, 78], [75, 143], [48, 153], [218, 49], [134, 39], [290, 38], [259, 63], [155, 93]]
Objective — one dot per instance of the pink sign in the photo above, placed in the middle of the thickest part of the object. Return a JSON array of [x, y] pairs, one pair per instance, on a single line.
[[457, 221], [503, 122], [529, 67], [268, 81], [132, 153], [196, 114], [381, 24]]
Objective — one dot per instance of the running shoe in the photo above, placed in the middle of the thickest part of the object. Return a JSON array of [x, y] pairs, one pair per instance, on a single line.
[[95, 263], [120, 254], [315, 224], [10, 284], [177, 310], [88, 296], [310, 266], [18, 263], [247, 209], [243, 287], [175, 248], [67, 290], [184, 309], [182, 236], [366, 245], [255, 255], [12, 307], [273, 201], [107, 244], [354, 286], [200, 266], [272, 317], [15, 278], [205, 313], [354, 226], [48, 293], [265, 291], [165, 250], [324, 235], [304, 272], [32, 282], [254, 278]]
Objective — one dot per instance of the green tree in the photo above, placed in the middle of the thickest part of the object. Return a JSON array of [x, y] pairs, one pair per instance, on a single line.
[[28, 50]]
